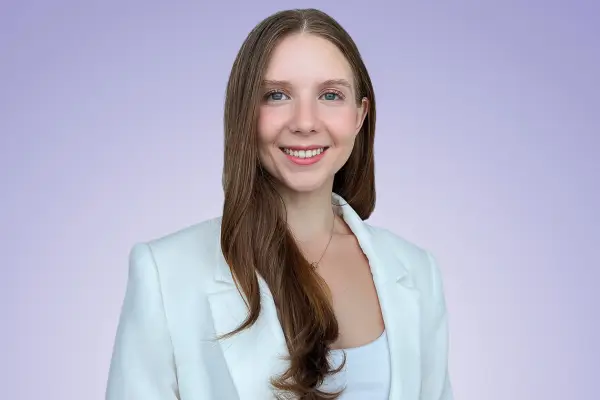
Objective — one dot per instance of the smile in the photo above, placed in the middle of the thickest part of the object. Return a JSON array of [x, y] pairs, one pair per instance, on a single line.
[[304, 156], [308, 153]]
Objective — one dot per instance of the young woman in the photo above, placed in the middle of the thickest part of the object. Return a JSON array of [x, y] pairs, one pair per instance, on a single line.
[[289, 294]]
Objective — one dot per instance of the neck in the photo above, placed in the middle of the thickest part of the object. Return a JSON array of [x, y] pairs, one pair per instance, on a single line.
[[310, 215]]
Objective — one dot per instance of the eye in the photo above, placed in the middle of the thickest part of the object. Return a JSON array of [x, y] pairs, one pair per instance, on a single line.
[[332, 96], [276, 95]]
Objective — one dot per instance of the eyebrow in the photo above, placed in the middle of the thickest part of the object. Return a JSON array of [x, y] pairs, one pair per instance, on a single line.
[[338, 82], [329, 82]]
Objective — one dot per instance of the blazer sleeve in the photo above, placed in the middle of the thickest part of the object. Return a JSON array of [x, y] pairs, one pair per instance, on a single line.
[[142, 365], [436, 380]]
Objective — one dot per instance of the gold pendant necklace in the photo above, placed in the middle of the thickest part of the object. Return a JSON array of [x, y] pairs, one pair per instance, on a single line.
[[316, 264]]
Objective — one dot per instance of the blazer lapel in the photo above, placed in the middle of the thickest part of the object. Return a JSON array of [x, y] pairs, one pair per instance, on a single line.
[[256, 354], [399, 301], [264, 341]]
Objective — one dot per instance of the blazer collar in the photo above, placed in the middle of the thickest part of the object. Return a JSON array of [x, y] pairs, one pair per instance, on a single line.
[[398, 297], [373, 242], [399, 300], [366, 236]]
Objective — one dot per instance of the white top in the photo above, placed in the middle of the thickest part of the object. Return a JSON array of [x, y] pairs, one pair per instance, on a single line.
[[366, 374]]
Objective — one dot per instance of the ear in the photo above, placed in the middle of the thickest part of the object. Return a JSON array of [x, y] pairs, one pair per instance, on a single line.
[[363, 109]]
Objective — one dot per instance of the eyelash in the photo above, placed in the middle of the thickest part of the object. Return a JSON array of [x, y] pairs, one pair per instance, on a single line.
[[336, 92], [274, 91]]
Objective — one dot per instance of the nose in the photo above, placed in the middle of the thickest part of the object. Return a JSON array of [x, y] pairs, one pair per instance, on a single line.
[[304, 119]]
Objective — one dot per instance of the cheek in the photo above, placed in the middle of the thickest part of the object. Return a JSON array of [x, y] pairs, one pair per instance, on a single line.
[[342, 125], [270, 124], [268, 129]]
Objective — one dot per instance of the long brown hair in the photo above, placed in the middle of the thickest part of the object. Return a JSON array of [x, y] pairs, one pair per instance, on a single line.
[[254, 234]]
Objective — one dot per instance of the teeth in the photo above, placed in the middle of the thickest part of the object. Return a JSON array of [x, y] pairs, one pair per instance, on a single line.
[[304, 153]]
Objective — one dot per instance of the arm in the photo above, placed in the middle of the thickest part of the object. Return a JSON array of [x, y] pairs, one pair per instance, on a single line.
[[142, 365], [436, 380]]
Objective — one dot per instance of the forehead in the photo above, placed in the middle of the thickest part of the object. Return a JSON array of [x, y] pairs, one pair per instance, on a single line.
[[305, 58]]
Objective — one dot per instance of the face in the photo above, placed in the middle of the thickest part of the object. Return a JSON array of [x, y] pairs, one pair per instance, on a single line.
[[309, 116]]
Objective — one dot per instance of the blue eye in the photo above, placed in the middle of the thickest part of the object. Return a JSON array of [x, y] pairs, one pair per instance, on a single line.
[[276, 96], [331, 96]]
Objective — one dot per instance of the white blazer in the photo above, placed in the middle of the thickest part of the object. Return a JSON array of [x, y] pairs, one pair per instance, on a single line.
[[180, 294]]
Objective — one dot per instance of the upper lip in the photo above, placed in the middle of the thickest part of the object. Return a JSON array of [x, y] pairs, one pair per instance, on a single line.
[[298, 148]]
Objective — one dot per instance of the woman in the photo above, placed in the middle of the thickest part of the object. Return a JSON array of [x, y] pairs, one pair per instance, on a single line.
[[289, 293]]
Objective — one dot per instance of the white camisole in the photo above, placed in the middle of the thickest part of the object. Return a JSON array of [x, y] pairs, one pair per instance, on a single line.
[[366, 374]]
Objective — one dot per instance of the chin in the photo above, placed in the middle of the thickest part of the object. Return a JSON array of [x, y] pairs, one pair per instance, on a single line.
[[304, 184]]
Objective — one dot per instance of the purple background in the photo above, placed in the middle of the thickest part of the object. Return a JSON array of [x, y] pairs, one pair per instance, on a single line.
[[487, 154]]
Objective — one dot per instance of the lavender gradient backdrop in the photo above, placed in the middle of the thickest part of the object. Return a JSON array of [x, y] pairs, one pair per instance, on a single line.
[[487, 154]]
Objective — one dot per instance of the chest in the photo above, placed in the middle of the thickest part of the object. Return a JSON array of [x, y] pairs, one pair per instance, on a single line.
[[246, 362], [354, 296]]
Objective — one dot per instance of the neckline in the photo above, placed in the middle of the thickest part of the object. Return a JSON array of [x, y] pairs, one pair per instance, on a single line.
[[363, 346]]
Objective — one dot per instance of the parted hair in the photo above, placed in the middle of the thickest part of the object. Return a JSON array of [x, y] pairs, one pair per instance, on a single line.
[[255, 238]]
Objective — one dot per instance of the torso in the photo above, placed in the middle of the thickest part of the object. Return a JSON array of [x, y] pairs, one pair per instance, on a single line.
[[184, 277], [362, 336]]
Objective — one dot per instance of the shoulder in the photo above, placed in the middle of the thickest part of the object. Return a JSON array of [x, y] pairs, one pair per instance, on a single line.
[[414, 256], [420, 263], [188, 254], [200, 238], [398, 244]]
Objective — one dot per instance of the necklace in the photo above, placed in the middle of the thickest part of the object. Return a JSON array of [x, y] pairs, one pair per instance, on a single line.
[[316, 264]]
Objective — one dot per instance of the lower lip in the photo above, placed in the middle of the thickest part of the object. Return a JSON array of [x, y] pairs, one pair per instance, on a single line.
[[305, 161]]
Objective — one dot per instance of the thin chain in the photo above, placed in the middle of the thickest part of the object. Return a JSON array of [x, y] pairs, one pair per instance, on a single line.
[[316, 264]]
